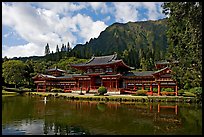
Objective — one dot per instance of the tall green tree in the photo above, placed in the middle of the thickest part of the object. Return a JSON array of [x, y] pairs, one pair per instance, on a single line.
[[185, 41], [47, 49], [13, 72], [57, 49], [29, 73], [57, 53]]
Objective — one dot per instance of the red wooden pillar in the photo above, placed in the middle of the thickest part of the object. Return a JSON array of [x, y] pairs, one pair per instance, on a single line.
[[116, 84], [90, 83], [150, 107], [110, 83], [176, 109], [142, 86], [158, 108], [151, 90], [82, 86], [45, 87], [64, 87], [37, 87], [78, 83], [176, 88], [101, 81], [159, 88]]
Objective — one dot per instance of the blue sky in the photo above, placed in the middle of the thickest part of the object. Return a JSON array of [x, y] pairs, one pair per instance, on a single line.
[[28, 26]]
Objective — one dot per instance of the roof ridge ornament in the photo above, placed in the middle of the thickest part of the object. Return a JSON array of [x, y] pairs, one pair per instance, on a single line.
[[92, 58], [114, 57]]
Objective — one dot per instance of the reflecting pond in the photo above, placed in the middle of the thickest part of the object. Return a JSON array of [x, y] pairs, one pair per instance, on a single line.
[[32, 115]]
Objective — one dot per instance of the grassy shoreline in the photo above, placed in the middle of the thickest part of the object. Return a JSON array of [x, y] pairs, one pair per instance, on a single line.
[[118, 98], [6, 93]]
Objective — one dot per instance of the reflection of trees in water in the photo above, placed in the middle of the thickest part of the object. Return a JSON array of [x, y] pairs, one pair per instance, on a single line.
[[61, 128]]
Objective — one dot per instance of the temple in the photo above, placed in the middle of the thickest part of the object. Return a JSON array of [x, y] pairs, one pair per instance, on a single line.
[[110, 72]]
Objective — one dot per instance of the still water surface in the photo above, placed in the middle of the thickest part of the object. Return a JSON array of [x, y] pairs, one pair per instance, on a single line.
[[27, 115]]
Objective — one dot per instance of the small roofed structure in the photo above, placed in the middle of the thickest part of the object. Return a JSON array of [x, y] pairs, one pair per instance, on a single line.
[[56, 72], [164, 63]]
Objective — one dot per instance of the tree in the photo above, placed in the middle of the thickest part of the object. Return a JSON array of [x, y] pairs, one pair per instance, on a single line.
[[29, 72], [57, 49], [13, 72], [185, 41], [62, 48], [68, 47], [47, 49], [57, 53]]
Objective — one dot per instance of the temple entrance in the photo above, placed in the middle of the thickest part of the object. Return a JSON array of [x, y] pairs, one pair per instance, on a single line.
[[97, 81]]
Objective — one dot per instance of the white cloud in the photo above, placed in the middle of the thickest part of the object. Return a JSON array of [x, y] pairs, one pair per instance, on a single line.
[[60, 7], [87, 28], [29, 49], [101, 6], [7, 34], [43, 25], [106, 18], [125, 12], [153, 12], [129, 11]]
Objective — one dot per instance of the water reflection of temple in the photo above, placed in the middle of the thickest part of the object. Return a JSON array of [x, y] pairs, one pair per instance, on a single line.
[[164, 118]]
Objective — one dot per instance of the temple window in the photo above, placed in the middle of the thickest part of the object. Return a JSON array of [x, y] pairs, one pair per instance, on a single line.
[[97, 70], [109, 70], [89, 71]]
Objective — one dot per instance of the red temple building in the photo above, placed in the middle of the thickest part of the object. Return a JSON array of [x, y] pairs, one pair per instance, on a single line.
[[109, 72]]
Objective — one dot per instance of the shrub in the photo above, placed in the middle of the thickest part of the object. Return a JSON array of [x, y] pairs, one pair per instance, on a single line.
[[141, 93], [169, 90], [102, 90], [181, 92], [196, 90], [57, 90], [189, 94], [26, 89], [155, 90], [164, 93], [167, 93]]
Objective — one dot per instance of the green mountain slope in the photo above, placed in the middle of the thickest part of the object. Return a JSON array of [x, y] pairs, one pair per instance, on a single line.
[[132, 41]]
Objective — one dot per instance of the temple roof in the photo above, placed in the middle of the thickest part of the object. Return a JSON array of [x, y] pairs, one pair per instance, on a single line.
[[139, 74], [43, 76], [161, 70], [54, 77], [101, 60], [145, 73], [165, 62], [162, 62], [56, 69]]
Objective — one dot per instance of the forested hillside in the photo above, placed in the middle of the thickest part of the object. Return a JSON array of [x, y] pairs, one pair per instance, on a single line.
[[139, 44]]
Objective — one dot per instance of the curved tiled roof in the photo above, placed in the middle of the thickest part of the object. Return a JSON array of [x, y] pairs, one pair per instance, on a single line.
[[56, 69], [102, 60], [142, 73]]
